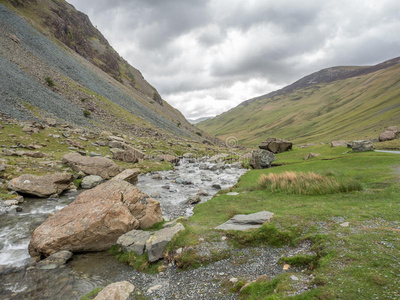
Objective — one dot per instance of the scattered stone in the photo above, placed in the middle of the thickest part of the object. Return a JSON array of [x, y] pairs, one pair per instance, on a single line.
[[41, 186], [14, 209], [234, 280], [116, 291], [20, 199], [51, 122], [261, 159], [101, 166], [286, 267], [294, 278], [115, 138], [75, 144], [232, 194], [10, 202], [311, 155], [91, 181], [168, 158], [155, 195], [129, 175], [345, 224], [126, 153], [157, 242], [156, 177], [2, 167], [216, 186], [14, 38], [57, 259], [244, 222], [361, 146], [102, 143], [217, 157], [95, 220], [134, 240], [192, 200], [94, 154], [154, 288], [341, 143], [276, 146], [202, 192]]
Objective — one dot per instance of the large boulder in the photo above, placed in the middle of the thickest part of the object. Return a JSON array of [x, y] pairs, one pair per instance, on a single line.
[[389, 134], [100, 166], [361, 146], [116, 291], [276, 146], [95, 220], [41, 186], [261, 159], [134, 240]]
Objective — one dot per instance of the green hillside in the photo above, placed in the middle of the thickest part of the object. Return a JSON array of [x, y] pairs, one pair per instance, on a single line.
[[358, 104]]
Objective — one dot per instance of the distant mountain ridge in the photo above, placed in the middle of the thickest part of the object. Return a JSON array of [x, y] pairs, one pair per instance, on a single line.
[[198, 120], [334, 103]]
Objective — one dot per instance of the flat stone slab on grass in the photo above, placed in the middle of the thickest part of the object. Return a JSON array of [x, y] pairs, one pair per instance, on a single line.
[[245, 222]]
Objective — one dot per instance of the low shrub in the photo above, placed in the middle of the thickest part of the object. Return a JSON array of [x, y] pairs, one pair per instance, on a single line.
[[49, 81], [86, 113], [309, 183]]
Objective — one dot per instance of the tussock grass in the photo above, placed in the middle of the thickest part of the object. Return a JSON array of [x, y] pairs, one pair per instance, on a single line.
[[306, 183]]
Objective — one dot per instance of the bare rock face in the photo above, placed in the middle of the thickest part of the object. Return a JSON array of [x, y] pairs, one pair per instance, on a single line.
[[95, 220], [276, 146], [116, 291], [100, 166], [389, 134], [41, 186]]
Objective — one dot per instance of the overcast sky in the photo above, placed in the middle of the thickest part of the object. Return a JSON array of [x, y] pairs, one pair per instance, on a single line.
[[205, 57]]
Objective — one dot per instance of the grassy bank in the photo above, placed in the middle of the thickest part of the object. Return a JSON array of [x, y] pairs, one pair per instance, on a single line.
[[358, 261]]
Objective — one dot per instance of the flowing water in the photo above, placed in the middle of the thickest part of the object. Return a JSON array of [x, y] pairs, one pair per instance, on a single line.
[[90, 270]]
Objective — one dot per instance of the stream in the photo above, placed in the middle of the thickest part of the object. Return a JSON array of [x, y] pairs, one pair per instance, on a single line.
[[84, 272]]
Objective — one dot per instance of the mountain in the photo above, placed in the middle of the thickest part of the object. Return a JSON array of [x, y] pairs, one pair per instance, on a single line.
[[335, 103], [55, 63], [198, 120]]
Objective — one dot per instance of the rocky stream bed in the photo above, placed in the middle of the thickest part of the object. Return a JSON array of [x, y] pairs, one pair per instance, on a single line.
[[89, 270]]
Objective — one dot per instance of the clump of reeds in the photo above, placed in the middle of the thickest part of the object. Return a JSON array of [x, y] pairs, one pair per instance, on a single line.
[[309, 183]]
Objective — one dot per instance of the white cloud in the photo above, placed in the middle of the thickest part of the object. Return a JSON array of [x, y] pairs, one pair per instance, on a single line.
[[205, 57]]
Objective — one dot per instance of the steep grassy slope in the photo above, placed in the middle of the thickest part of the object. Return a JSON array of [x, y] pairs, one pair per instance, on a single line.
[[57, 42], [354, 102]]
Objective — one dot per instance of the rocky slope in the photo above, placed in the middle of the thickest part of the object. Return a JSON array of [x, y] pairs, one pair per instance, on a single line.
[[334, 103], [56, 63]]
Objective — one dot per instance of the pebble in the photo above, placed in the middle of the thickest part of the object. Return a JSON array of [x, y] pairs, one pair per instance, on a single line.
[[345, 224], [294, 278]]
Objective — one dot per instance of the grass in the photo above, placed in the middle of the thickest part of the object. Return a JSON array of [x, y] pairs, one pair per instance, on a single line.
[[92, 294], [309, 183], [355, 262], [138, 262], [322, 112]]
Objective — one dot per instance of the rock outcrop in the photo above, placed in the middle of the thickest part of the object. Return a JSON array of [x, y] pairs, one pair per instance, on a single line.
[[100, 166], [95, 220], [276, 146], [116, 291], [41, 186], [261, 159], [245, 222]]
